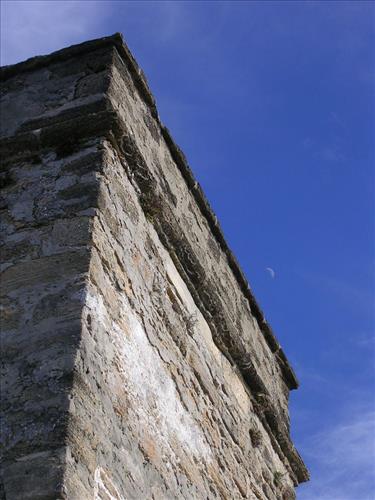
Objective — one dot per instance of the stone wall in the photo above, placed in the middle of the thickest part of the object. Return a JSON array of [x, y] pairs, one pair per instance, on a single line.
[[137, 363]]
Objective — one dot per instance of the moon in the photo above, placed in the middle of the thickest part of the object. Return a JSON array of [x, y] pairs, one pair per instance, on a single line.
[[271, 271]]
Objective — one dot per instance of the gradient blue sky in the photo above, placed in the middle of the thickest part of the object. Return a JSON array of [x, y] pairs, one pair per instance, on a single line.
[[273, 104]]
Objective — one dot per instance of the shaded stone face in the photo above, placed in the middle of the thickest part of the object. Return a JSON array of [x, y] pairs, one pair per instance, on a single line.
[[137, 363]]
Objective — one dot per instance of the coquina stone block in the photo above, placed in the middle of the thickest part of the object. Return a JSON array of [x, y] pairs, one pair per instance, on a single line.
[[136, 361]]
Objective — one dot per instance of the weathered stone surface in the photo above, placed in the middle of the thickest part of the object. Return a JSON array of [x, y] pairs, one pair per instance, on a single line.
[[137, 363]]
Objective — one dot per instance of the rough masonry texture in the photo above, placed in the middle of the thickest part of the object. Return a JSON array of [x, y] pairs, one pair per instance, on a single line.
[[136, 361]]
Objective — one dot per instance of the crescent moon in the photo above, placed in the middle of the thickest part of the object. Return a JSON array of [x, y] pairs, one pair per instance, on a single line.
[[271, 271]]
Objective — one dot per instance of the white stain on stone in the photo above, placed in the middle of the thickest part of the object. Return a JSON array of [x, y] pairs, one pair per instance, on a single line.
[[149, 385], [104, 488]]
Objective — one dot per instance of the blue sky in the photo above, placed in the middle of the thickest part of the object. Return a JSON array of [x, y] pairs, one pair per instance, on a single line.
[[273, 104]]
